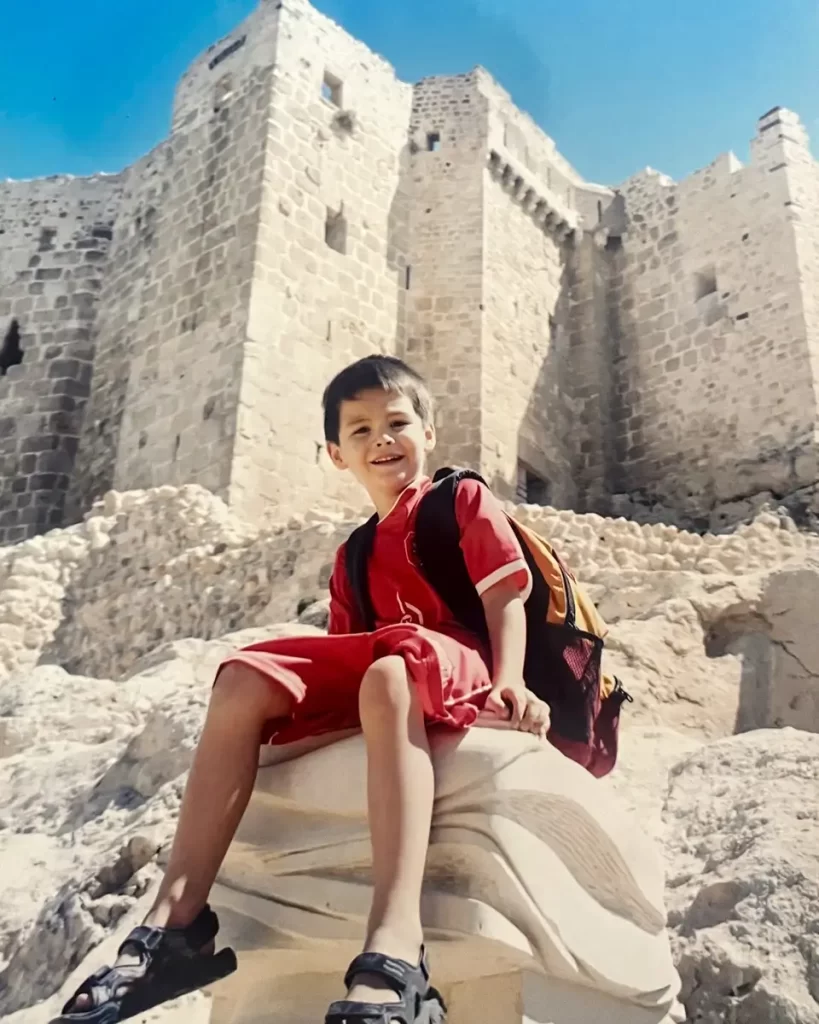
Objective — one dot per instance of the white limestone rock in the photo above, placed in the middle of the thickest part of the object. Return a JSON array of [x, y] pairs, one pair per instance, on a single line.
[[743, 878], [710, 634]]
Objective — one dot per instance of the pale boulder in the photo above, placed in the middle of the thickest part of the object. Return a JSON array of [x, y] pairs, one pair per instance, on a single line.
[[533, 869], [743, 878]]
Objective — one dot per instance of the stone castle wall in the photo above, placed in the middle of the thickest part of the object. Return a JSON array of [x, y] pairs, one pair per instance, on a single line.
[[446, 257], [715, 380], [328, 281], [529, 196], [55, 237], [653, 351], [489, 216], [178, 313]]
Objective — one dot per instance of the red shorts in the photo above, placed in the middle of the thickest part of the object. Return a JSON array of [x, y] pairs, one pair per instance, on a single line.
[[324, 673]]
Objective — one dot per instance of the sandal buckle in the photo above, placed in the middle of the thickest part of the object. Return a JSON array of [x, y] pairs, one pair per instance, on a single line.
[[149, 939]]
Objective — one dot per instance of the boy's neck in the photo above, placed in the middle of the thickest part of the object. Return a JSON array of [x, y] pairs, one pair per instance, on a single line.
[[385, 503]]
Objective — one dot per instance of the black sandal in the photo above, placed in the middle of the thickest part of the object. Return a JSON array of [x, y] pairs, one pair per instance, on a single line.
[[419, 1003], [172, 962]]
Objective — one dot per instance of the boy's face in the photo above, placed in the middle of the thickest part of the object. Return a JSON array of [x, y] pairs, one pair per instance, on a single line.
[[383, 442]]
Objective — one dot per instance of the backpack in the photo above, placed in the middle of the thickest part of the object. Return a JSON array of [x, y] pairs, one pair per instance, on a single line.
[[564, 632]]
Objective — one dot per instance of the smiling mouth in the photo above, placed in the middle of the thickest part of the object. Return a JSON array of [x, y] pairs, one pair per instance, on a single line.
[[386, 460]]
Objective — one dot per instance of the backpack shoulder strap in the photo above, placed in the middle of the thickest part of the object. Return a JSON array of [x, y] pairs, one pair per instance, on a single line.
[[357, 553], [438, 549]]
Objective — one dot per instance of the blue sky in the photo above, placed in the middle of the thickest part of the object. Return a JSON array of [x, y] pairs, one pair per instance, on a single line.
[[87, 85]]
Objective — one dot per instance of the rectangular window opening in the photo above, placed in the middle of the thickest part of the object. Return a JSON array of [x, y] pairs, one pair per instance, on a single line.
[[227, 52], [46, 242], [531, 488], [433, 142], [11, 350], [407, 277], [335, 231], [332, 89], [222, 92], [705, 283]]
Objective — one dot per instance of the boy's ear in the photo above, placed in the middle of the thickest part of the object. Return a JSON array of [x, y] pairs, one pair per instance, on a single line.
[[334, 452], [429, 437]]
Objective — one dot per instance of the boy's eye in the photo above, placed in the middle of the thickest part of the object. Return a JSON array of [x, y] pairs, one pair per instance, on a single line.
[[360, 430], [397, 424]]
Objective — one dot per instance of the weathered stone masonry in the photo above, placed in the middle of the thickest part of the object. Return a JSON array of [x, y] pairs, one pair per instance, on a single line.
[[651, 351], [54, 242]]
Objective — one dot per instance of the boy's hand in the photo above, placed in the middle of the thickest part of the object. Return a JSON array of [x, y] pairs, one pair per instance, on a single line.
[[524, 711]]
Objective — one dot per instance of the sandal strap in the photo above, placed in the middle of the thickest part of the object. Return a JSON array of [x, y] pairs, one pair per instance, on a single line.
[[202, 930], [143, 940], [398, 974], [372, 1013], [170, 963], [147, 942], [102, 986]]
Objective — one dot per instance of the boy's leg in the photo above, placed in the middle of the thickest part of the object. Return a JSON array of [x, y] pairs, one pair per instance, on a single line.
[[400, 788], [219, 787]]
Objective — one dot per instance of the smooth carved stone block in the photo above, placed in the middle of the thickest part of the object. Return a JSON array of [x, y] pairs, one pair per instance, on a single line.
[[534, 873]]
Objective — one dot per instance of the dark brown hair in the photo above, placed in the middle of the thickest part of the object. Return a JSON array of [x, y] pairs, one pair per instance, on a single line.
[[373, 373]]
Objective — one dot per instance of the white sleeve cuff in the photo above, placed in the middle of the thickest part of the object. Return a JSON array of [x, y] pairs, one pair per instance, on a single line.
[[519, 565]]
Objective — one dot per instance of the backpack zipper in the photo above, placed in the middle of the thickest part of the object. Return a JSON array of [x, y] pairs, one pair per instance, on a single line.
[[620, 694]]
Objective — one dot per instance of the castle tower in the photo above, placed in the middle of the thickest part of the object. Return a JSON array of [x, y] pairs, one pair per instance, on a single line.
[[493, 205], [782, 148], [261, 250]]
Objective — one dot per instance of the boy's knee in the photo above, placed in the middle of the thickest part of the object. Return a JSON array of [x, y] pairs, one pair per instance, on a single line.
[[386, 687], [242, 687]]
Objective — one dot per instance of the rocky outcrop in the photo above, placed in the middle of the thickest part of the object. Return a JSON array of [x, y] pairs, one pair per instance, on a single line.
[[149, 567], [743, 878], [129, 613]]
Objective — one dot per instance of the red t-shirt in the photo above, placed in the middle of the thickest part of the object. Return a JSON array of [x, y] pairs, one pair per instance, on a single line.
[[398, 590]]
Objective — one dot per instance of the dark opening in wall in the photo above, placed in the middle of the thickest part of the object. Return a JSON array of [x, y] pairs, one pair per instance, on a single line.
[[335, 231], [332, 89], [227, 52], [47, 236], [705, 283], [531, 488], [407, 277], [433, 142], [222, 92], [599, 211], [11, 351]]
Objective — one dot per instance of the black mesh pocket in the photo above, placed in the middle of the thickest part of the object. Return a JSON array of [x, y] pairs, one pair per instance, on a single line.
[[563, 668]]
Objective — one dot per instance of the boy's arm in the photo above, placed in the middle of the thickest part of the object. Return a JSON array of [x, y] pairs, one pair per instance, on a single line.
[[501, 576], [506, 622]]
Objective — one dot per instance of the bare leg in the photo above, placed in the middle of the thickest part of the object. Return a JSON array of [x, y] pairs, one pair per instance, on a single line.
[[219, 787], [218, 790], [400, 788]]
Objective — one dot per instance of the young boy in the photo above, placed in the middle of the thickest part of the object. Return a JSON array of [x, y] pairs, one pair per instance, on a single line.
[[417, 669]]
